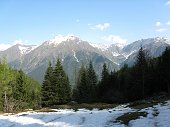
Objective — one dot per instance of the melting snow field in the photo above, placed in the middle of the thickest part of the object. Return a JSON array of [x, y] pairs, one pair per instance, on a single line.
[[88, 118]]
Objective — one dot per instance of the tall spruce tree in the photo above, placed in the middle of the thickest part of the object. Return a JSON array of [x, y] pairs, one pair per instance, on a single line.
[[164, 69], [61, 85], [86, 87], [47, 87], [121, 82], [81, 90], [139, 75], [105, 74], [92, 83], [19, 92], [103, 83]]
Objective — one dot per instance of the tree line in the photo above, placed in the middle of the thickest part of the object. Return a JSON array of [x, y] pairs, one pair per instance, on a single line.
[[148, 76]]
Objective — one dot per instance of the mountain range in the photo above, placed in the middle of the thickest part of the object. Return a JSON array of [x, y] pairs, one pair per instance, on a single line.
[[74, 52]]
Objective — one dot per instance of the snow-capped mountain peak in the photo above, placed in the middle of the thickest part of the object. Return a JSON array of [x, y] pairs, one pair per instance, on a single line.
[[60, 38]]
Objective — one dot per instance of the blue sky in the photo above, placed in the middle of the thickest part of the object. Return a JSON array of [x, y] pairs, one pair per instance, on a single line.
[[97, 21]]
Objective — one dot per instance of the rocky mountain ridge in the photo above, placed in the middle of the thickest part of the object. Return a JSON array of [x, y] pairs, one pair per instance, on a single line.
[[74, 52]]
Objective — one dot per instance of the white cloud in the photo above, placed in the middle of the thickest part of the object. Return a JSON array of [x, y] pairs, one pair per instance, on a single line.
[[114, 39], [161, 30], [168, 23], [100, 26], [157, 24], [167, 3]]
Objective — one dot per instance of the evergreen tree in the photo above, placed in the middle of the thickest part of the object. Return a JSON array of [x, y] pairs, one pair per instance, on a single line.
[[61, 86], [86, 87], [47, 87], [123, 75], [105, 73], [92, 83], [19, 92], [81, 90], [121, 82], [104, 83], [152, 77], [67, 90], [138, 76], [164, 69]]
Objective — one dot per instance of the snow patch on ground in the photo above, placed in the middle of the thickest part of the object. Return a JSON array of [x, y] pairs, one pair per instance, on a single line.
[[158, 116], [65, 118]]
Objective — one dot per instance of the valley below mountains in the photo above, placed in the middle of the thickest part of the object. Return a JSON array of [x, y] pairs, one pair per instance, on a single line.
[[74, 52]]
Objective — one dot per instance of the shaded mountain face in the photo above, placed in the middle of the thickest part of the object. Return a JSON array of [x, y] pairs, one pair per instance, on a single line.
[[154, 46], [74, 52]]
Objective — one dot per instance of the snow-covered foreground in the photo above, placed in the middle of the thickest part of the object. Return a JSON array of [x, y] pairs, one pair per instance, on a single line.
[[65, 118], [158, 116]]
